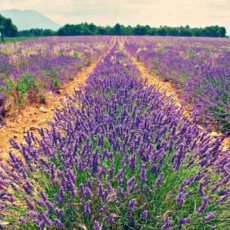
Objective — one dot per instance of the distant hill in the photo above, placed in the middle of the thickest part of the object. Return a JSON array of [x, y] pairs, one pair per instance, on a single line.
[[29, 19]]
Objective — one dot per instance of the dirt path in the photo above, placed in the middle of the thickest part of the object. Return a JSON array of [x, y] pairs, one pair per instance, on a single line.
[[170, 91], [34, 117]]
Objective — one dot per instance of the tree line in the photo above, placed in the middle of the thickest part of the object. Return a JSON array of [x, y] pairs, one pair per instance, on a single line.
[[118, 29], [8, 29]]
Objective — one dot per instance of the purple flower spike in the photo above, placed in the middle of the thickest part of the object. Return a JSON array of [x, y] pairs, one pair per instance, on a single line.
[[32, 214], [41, 224], [144, 214], [59, 213], [159, 180], [132, 203], [23, 220], [132, 162], [130, 181], [180, 197], [96, 226], [209, 216], [168, 224], [87, 209], [29, 204], [111, 218], [46, 219], [184, 220], [203, 206], [142, 174], [58, 223], [28, 187]]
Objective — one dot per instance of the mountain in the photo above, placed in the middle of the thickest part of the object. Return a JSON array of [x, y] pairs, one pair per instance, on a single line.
[[29, 19]]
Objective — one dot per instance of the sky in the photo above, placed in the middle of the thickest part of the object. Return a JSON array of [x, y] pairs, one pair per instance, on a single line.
[[198, 13]]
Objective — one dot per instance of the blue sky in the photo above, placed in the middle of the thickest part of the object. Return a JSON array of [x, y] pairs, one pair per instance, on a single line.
[[130, 12]]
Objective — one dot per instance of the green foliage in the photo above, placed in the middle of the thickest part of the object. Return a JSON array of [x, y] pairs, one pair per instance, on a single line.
[[7, 28], [118, 29], [36, 33], [191, 53], [55, 81], [162, 31], [25, 87], [17, 39]]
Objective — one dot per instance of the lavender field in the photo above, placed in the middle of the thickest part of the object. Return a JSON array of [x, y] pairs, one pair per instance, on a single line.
[[197, 67], [30, 68], [119, 154]]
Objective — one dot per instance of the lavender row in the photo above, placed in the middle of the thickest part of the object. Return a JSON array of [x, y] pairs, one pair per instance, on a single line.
[[29, 68], [119, 155], [198, 68]]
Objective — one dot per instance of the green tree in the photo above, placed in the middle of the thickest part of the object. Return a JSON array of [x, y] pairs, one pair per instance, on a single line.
[[48, 32], [7, 28], [153, 31], [118, 29], [173, 31], [185, 31], [141, 30], [162, 31], [93, 29], [222, 32], [196, 32]]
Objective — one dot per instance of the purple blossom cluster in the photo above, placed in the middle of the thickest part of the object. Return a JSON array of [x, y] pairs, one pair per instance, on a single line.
[[198, 68], [118, 155]]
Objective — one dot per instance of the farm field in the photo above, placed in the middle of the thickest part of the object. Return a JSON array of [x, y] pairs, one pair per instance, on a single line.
[[115, 133], [199, 70]]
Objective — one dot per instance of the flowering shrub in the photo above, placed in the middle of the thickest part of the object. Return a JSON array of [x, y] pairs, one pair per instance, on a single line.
[[119, 155]]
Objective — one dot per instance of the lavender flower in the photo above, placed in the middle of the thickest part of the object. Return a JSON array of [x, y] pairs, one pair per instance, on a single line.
[[142, 174], [87, 209], [41, 224], [58, 223], [32, 214], [180, 197], [203, 206], [168, 224], [184, 220], [159, 180], [103, 209], [132, 162], [46, 219], [132, 203], [144, 214], [209, 216], [130, 181], [29, 203], [23, 220], [111, 218], [59, 213], [96, 226]]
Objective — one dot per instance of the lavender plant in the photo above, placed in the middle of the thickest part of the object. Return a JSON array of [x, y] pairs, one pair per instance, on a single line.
[[119, 155]]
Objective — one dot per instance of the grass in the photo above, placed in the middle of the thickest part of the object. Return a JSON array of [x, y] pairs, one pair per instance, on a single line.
[[18, 39]]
